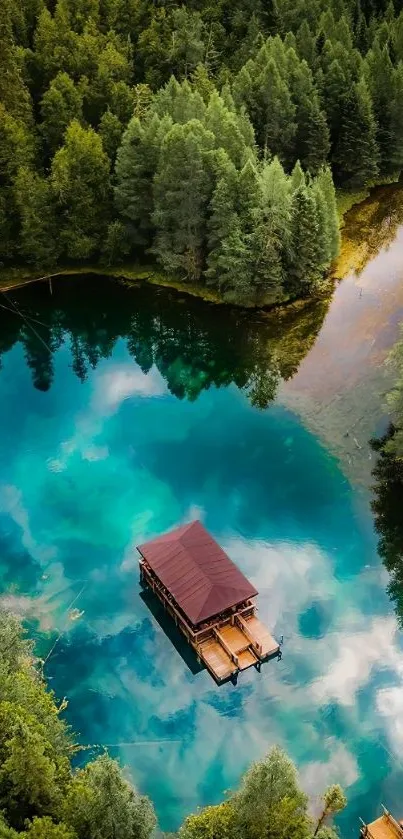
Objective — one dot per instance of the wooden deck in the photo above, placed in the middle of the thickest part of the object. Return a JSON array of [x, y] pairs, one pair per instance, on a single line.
[[217, 661], [259, 635], [383, 828], [234, 638], [226, 645], [227, 652]]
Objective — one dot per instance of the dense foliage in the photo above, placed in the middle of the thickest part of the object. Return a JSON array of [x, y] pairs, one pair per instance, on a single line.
[[42, 797], [130, 128]]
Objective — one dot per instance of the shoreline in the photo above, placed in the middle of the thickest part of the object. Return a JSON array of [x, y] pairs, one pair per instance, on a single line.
[[136, 274], [359, 243]]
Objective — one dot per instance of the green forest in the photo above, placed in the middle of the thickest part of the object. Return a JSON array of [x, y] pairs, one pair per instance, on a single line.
[[43, 797], [205, 137]]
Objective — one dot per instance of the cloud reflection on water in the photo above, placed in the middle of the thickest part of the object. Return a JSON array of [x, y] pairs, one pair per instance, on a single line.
[[121, 467]]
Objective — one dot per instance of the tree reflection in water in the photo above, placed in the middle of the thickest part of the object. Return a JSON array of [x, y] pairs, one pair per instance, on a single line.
[[387, 506], [193, 344]]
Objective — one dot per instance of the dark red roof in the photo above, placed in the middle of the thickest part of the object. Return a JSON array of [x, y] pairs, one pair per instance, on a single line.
[[196, 571]]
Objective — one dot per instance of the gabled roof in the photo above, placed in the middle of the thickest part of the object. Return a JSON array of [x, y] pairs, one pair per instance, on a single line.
[[196, 571]]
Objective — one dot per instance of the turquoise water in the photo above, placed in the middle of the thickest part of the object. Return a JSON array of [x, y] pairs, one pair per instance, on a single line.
[[112, 429]]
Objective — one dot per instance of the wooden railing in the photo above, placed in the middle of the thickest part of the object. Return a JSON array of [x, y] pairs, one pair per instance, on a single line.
[[243, 624], [225, 646]]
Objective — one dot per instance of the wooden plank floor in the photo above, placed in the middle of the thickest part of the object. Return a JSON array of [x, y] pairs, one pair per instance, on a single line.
[[246, 659], [216, 659], [234, 638], [384, 828], [261, 635]]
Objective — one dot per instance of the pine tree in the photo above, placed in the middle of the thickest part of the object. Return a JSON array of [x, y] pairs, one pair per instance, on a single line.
[[312, 138], [274, 114], [230, 266], [385, 85], [397, 36], [229, 260], [356, 155], [16, 149], [38, 236], [110, 130], [304, 272], [322, 240], [243, 87], [182, 188], [297, 177], [80, 180], [14, 95], [270, 239], [56, 46], [136, 165], [60, 104], [249, 195], [188, 48], [224, 125], [306, 44], [202, 82], [325, 182], [396, 121], [153, 49], [179, 101]]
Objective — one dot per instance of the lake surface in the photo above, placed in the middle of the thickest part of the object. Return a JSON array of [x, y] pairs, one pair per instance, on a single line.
[[127, 411]]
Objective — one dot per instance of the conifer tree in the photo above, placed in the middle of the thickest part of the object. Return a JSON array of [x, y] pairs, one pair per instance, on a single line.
[[224, 125], [306, 43], [356, 155], [153, 49], [270, 239], [188, 48], [14, 95], [202, 82], [297, 177], [38, 235], [312, 137], [136, 165], [16, 149], [303, 272], [110, 130], [324, 180], [229, 260], [322, 241], [179, 101], [274, 113], [333, 83], [385, 85], [182, 188], [80, 180], [60, 104]]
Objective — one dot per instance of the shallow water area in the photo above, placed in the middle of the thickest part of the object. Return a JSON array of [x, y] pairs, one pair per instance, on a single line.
[[126, 412]]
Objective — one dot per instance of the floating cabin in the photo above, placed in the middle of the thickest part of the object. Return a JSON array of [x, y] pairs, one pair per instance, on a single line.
[[209, 599], [386, 827]]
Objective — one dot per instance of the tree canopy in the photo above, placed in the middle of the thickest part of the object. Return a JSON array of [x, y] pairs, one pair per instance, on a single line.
[[43, 797], [119, 123]]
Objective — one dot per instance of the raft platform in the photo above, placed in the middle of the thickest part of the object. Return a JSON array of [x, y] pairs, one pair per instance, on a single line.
[[209, 599], [386, 827]]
